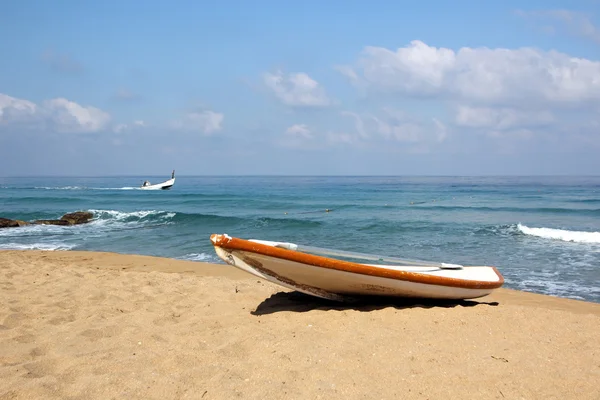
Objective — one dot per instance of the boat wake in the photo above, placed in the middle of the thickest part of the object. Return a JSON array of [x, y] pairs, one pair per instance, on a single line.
[[84, 188]]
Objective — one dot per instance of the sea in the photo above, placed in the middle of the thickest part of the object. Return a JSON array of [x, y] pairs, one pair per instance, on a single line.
[[542, 233]]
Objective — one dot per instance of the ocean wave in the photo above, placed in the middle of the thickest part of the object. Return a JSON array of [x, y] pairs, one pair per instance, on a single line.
[[36, 200], [561, 288], [181, 217], [132, 215], [561, 234], [37, 246], [39, 230], [499, 230], [540, 210], [203, 257], [286, 222], [587, 201], [113, 220]]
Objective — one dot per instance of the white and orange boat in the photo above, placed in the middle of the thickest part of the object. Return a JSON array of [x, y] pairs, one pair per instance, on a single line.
[[294, 267], [166, 185]]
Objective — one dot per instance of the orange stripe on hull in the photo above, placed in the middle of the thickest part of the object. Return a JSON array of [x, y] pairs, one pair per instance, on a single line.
[[231, 243]]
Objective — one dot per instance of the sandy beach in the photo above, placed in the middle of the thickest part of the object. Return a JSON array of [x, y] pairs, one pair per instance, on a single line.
[[88, 325]]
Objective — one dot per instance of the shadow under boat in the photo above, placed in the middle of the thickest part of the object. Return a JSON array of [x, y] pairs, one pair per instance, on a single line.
[[300, 302]]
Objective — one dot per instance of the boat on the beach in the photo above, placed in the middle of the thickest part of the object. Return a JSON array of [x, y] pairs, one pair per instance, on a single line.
[[159, 186], [293, 266]]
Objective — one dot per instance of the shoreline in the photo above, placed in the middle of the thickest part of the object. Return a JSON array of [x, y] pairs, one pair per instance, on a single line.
[[95, 325], [144, 263]]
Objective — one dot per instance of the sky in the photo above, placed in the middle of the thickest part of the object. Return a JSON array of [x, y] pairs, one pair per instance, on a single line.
[[313, 87]]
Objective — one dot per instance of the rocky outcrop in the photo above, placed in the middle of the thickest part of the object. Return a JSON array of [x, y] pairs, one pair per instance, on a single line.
[[11, 223], [76, 218]]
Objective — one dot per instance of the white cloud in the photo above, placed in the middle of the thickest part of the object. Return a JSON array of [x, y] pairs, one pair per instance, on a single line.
[[14, 110], [60, 115], [299, 130], [576, 23], [67, 116], [358, 124], [387, 129], [501, 118], [397, 126], [297, 89], [335, 138], [494, 76], [205, 121], [441, 131], [120, 128], [64, 116], [347, 71], [298, 136]]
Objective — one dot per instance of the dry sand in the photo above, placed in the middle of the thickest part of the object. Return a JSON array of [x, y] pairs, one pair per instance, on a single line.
[[83, 325]]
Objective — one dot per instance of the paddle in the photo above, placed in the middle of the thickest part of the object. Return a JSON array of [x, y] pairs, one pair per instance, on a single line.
[[351, 254]]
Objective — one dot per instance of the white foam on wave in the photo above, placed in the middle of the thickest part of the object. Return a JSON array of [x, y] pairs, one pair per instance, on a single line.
[[122, 215], [37, 230], [109, 220], [37, 246], [104, 221], [56, 237], [561, 234], [198, 257], [572, 290]]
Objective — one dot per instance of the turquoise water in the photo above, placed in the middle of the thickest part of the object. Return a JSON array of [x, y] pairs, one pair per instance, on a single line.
[[543, 233]]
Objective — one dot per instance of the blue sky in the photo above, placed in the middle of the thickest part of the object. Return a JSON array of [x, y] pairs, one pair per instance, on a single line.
[[300, 88]]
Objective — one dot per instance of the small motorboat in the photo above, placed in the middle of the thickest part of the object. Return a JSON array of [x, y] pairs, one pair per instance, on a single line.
[[159, 186], [294, 267]]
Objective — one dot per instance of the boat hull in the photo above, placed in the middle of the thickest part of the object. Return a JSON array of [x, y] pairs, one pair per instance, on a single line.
[[160, 186], [339, 280]]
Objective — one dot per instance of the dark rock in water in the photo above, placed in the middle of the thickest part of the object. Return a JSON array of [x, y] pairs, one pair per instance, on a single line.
[[11, 223], [76, 218], [79, 217]]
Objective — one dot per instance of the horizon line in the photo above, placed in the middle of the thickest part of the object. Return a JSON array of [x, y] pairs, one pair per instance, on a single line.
[[306, 176]]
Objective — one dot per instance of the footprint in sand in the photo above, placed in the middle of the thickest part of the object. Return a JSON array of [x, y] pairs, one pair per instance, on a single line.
[[97, 297], [63, 319], [170, 319], [14, 320], [159, 338], [26, 338], [38, 352], [63, 304], [7, 286], [106, 332], [39, 369]]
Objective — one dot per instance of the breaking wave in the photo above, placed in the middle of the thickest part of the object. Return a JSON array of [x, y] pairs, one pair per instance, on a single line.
[[36, 246], [561, 234]]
